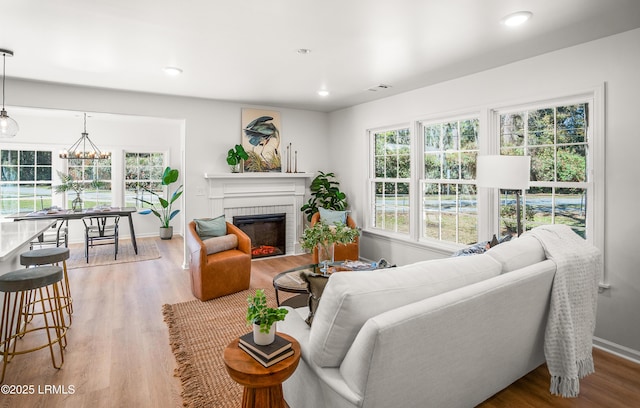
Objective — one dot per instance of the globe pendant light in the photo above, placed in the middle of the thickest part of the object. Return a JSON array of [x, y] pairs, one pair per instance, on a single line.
[[8, 126], [84, 148]]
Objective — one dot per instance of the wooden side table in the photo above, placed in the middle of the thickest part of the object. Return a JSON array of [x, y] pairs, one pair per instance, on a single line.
[[262, 385]]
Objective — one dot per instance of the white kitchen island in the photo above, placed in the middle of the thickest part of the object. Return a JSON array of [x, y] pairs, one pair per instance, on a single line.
[[14, 240]]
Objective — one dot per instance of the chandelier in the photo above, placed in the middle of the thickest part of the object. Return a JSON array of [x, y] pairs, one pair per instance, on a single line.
[[8, 126], [84, 148]]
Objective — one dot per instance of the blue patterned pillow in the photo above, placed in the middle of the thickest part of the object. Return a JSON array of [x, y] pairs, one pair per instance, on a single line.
[[331, 217]]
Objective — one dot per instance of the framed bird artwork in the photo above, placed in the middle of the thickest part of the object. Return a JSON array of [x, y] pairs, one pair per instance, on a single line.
[[261, 136]]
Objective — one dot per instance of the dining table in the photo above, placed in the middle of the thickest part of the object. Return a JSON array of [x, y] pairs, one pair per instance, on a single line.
[[66, 215]]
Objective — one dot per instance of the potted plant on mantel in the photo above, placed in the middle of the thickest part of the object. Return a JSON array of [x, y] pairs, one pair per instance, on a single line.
[[263, 318], [163, 211], [235, 157]]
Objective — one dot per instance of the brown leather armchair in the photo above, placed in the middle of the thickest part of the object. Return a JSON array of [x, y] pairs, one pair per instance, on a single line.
[[347, 252], [221, 273]]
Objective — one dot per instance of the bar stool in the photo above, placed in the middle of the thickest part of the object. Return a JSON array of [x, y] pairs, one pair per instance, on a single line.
[[52, 256], [45, 283]]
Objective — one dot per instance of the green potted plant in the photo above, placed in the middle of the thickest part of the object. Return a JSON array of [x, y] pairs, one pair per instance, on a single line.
[[263, 318], [163, 210], [325, 193], [235, 157], [77, 186], [325, 236]]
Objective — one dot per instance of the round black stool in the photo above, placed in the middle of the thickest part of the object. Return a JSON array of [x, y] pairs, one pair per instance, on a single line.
[[52, 256], [44, 283]]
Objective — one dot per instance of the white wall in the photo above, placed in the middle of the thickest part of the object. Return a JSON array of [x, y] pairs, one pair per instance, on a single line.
[[615, 61], [210, 128]]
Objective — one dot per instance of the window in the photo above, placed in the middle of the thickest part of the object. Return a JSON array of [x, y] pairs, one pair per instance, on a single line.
[[438, 204], [25, 181], [390, 180], [557, 139], [142, 170], [449, 198], [87, 171]]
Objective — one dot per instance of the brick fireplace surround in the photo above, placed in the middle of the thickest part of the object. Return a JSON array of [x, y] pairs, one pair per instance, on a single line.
[[261, 193]]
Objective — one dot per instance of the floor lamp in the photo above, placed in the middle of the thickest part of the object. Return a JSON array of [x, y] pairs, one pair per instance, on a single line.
[[507, 173]]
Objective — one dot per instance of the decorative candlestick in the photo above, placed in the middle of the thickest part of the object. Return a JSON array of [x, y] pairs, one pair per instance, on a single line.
[[296, 169]]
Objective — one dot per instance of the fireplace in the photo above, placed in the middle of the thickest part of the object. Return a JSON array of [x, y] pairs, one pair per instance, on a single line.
[[267, 233]]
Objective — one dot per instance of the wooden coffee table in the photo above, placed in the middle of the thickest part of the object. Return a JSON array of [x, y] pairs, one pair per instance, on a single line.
[[262, 385]]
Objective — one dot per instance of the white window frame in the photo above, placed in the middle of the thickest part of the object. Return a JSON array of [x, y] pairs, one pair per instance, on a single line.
[[595, 184], [489, 143], [421, 179], [370, 219]]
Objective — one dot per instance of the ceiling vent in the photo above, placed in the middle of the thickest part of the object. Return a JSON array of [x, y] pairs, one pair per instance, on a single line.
[[380, 87]]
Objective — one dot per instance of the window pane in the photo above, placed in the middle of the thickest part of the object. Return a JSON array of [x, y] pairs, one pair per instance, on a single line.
[[432, 165], [27, 173], [572, 163], [512, 130], [43, 158], [572, 123], [542, 163], [469, 134], [541, 127], [571, 209], [468, 165], [432, 138], [10, 157], [450, 136], [27, 157], [43, 173], [431, 210]]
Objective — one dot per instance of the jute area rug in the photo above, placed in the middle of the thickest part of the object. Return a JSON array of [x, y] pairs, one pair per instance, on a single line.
[[198, 333], [103, 254]]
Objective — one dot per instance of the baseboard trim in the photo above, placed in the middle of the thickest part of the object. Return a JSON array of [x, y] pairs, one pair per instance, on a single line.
[[620, 351]]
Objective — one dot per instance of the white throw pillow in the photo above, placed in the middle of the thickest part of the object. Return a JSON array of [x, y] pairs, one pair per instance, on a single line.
[[351, 298], [219, 244], [518, 253]]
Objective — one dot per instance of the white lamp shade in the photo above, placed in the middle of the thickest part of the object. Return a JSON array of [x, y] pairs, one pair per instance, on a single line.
[[505, 172]]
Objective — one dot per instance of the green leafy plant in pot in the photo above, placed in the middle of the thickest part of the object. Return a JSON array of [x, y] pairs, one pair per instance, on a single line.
[[325, 193], [163, 210], [263, 318], [77, 186], [325, 236], [235, 157]]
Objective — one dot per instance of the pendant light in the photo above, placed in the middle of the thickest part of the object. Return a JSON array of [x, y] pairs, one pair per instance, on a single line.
[[83, 148], [8, 126]]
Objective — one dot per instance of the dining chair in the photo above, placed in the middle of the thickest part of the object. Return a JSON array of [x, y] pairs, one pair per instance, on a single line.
[[100, 230], [56, 236]]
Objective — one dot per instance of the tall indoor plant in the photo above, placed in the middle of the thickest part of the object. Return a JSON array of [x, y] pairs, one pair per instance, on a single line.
[[263, 318], [163, 210], [325, 193]]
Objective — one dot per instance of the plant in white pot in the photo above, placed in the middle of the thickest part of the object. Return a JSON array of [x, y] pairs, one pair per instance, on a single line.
[[263, 318], [163, 210]]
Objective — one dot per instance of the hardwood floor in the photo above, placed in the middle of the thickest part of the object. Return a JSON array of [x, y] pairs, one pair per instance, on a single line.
[[118, 352]]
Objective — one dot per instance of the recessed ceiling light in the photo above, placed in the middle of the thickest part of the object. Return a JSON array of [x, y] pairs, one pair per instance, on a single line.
[[172, 71], [303, 51], [323, 92], [516, 19]]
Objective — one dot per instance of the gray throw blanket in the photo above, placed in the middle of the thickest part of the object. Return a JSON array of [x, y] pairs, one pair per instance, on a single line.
[[572, 313]]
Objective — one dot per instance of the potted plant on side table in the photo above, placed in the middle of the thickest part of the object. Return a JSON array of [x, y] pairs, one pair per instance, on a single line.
[[263, 318], [163, 211]]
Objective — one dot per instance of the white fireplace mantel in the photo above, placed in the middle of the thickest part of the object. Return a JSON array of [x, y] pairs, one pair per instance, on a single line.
[[260, 193]]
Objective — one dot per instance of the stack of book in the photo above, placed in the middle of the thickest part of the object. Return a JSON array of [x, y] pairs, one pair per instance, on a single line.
[[266, 355]]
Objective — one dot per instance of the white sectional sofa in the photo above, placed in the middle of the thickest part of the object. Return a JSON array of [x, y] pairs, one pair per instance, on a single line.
[[443, 333]]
